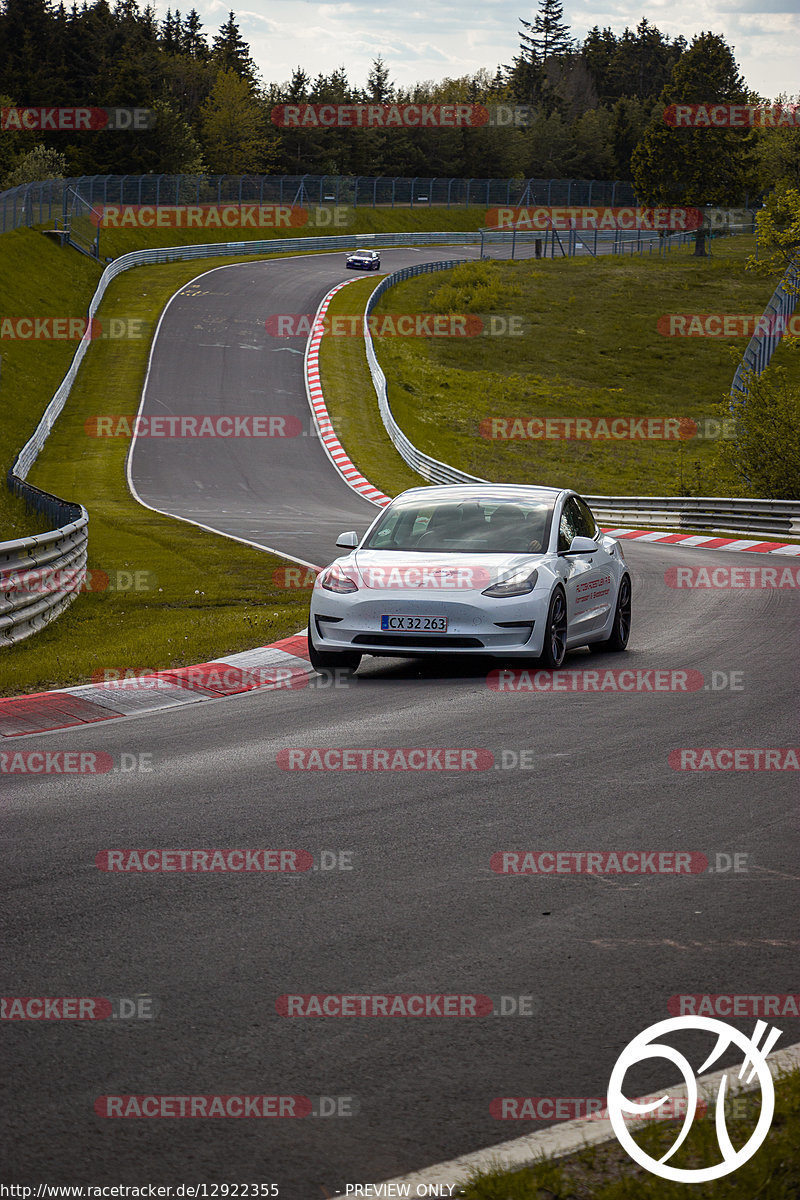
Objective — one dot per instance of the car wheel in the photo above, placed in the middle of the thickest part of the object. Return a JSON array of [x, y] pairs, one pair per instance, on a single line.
[[621, 629], [332, 660], [555, 632]]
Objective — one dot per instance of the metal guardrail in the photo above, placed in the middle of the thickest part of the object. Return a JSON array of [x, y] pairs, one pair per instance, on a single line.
[[68, 544], [34, 203], [65, 548], [719, 513], [764, 343], [41, 575]]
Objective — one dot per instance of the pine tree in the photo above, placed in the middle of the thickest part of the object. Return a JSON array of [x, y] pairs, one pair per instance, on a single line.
[[549, 36], [695, 166], [379, 86], [231, 52]]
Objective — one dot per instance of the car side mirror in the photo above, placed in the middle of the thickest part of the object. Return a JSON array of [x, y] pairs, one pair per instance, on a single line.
[[582, 545], [347, 541]]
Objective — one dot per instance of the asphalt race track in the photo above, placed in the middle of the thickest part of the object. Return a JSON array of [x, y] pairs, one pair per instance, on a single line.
[[420, 910]]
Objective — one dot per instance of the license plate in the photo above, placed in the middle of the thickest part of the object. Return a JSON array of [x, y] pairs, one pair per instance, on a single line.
[[410, 624]]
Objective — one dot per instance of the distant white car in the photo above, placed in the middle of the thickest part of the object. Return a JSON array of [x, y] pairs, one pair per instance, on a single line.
[[503, 570], [364, 260]]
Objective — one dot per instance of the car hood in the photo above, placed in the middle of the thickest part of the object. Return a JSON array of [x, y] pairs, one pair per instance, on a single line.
[[435, 571]]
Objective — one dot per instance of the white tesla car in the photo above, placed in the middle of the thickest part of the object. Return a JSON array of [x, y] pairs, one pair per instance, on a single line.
[[484, 569]]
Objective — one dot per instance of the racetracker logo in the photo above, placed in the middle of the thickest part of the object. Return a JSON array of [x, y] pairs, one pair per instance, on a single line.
[[737, 578], [625, 680], [424, 325], [203, 1106], [598, 862], [78, 1008], [576, 429], [69, 329], [46, 582], [404, 1005], [385, 759], [724, 325], [731, 116], [212, 425], [735, 759], [786, 1004], [381, 116], [586, 220], [204, 216], [205, 861], [571, 1108], [57, 120], [56, 762]]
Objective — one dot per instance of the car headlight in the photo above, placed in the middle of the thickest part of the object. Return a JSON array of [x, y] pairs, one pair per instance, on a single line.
[[334, 579], [517, 584]]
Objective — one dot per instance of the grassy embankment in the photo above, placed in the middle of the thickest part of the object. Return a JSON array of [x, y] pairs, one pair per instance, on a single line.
[[605, 1172], [590, 347], [202, 595]]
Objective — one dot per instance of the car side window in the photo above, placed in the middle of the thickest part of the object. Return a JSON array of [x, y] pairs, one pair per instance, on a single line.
[[588, 527], [568, 526]]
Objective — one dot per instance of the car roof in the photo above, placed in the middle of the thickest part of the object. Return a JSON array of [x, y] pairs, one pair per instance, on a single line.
[[483, 491]]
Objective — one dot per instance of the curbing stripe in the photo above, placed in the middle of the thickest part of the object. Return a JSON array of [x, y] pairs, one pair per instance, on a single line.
[[330, 443], [569, 1137], [283, 664]]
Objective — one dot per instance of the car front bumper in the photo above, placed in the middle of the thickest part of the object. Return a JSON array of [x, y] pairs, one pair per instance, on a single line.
[[353, 622]]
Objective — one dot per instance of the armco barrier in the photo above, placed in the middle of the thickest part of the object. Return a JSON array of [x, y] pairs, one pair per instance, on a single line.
[[762, 345], [41, 574], [726, 514], [63, 551]]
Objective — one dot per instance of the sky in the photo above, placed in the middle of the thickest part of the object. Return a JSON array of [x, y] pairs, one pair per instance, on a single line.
[[433, 39]]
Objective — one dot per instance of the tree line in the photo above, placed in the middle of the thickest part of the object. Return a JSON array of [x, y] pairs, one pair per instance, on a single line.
[[596, 106]]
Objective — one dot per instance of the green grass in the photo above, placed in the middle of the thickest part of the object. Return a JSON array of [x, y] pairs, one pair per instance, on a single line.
[[605, 1172], [590, 348], [37, 279], [199, 595], [114, 242]]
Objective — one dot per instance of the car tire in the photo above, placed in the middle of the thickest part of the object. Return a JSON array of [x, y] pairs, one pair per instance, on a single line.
[[621, 629], [332, 660], [555, 631]]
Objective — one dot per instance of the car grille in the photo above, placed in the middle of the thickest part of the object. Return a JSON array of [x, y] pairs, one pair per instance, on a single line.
[[410, 639]]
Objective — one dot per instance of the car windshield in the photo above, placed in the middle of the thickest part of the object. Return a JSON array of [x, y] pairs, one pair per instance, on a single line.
[[491, 525]]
